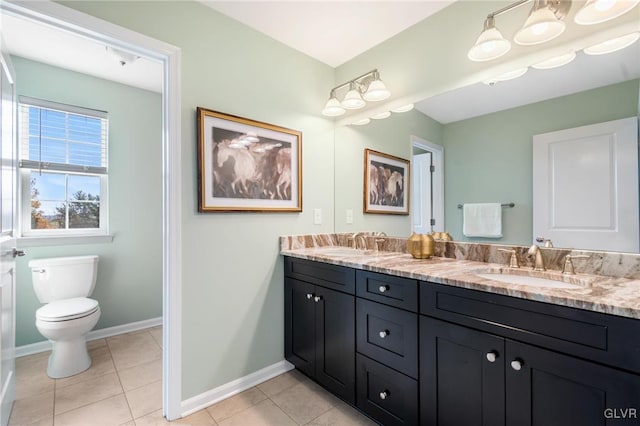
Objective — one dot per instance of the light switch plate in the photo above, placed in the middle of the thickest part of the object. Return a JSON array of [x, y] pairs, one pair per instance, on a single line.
[[349, 216], [317, 216]]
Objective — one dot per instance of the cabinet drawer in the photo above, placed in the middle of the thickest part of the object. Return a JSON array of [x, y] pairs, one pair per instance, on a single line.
[[391, 398], [388, 335], [387, 289], [335, 277], [591, 335]]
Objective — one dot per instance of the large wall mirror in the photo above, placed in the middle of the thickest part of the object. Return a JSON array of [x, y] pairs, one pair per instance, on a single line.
[[487, 132]]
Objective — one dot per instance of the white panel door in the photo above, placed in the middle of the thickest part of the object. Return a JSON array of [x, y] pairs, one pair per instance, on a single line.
[[422, 193], [585, 186]]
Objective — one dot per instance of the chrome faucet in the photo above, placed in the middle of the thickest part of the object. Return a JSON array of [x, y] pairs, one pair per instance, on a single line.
[[536, 251]]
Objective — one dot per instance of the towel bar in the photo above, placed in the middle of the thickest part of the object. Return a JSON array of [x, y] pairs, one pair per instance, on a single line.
[[503, 205]]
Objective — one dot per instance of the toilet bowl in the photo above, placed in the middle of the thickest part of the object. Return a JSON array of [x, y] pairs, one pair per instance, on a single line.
[[64, 284]]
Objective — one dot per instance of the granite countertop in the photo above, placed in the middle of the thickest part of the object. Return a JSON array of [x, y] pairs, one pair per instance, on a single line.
[[610, 295]]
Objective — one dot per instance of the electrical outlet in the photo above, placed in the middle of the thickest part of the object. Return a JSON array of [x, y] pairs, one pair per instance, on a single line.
[[349, 216], [317, 216]]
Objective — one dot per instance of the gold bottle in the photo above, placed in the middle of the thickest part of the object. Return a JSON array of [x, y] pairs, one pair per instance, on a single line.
[[420, 246]]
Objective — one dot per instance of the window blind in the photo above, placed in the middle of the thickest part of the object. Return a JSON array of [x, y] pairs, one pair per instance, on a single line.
[[58, 137]]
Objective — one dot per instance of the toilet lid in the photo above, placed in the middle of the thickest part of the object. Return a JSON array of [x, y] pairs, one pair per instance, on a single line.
[[67, 309]]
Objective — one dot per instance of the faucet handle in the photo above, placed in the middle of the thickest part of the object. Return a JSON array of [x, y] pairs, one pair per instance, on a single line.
[[513, 259], [568, 268], [547, 242]]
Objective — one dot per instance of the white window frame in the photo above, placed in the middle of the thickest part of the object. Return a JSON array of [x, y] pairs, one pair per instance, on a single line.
[[60, 235]]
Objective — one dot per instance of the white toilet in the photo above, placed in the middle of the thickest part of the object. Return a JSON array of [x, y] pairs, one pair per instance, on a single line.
[[64, 284]]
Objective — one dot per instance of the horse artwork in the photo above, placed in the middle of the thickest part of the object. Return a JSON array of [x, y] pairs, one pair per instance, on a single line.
[[386, 183], [245, 165]]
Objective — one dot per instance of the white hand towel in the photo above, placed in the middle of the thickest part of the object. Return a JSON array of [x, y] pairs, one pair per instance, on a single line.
[[482, 220]]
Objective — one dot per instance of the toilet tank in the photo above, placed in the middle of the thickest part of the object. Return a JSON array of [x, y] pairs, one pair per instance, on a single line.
[[59, 278]]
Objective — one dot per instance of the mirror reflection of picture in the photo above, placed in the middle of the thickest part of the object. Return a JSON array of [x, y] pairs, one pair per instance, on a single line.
[[386, 180]]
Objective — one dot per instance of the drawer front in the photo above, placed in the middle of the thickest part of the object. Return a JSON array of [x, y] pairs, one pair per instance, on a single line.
[[388, 335], [395, 291], [591, 335], [389, 397], [335, 277]]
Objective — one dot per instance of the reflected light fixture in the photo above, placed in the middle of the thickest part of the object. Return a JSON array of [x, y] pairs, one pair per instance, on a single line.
[[381, 115], [544, 23], [597, 11], [404, 108], [613, 45], [361, 122], [556, 61], [366, 88]]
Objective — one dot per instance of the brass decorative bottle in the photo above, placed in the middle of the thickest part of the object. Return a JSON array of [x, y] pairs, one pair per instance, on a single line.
[[420, 246]]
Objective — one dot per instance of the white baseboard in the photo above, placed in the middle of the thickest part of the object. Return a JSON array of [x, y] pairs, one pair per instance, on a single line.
[[210, 397], [38, 347]]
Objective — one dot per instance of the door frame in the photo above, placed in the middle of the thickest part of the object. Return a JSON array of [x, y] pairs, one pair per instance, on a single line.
[[64, 18], [437, 179]]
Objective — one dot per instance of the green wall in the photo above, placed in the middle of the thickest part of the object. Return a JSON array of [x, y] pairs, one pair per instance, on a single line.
[[489, 158], [129, 284], [232, 292], [390, 136]]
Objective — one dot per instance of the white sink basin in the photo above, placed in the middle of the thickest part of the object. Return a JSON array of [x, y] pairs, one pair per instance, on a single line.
[[534, 278]]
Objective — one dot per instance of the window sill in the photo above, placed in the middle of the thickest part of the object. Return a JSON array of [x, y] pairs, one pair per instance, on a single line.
[[63, 240]]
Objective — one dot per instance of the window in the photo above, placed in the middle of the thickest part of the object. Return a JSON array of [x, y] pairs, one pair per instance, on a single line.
[[63, 169]]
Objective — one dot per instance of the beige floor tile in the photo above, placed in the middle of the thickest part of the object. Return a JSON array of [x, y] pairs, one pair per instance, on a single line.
[[108, 412], [282, 382], [342, 415], [305, 401], [131, 349], [266, 413], [84, 393], [31, 376], [237, 403], [30, 410], [140, 375], [98, 343], [200, 418], [101, 364], [146, 399], [156, 333]]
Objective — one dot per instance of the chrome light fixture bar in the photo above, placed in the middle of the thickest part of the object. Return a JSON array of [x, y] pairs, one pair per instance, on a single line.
[[543, 24], [366, 88]]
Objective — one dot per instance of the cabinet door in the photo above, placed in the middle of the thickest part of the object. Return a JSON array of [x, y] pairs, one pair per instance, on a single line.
[[545, 388], [335, 342], [461, 376], [299, 315]]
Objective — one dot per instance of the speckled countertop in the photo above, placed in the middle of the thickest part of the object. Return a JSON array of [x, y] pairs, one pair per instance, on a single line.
[[616, 296]]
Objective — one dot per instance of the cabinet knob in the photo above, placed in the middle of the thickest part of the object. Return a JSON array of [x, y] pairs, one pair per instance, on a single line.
[[309, 295], [492, 356], [384, 394], [384, 333], [317, 299], [516, 364], [383, 288]]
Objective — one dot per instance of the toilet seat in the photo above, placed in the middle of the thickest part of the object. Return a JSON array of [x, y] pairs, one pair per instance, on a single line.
[[67, 309]]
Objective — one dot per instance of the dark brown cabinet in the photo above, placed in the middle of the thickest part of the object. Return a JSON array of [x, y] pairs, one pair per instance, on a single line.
[[320, 335]]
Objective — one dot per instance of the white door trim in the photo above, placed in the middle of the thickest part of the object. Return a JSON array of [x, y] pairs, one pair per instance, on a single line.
[[437, 152], [105, 32]]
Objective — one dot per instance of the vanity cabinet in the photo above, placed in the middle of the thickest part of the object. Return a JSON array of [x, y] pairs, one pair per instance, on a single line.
[[320, 324], [387, 346], [475, 372]]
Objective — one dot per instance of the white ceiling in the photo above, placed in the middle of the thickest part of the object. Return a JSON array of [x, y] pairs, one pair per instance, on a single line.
[[331, 31]]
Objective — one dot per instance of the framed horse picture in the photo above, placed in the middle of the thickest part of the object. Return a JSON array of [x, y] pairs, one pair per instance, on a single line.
[[246, 165], [386, 183]]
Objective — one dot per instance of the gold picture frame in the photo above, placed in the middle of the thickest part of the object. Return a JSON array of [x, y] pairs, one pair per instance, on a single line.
[[386, 183], [246, 165]]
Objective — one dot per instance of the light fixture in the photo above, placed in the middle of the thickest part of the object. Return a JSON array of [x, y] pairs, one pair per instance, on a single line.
[[544, 23], [612, 45], [556, 61], [381, 115], [490, 43], [333, 108], [361, 122], [404, 108], [367, 87], [597, 11]]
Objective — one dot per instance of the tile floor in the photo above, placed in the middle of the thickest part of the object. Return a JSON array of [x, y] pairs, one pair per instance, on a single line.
[[124, 387]]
